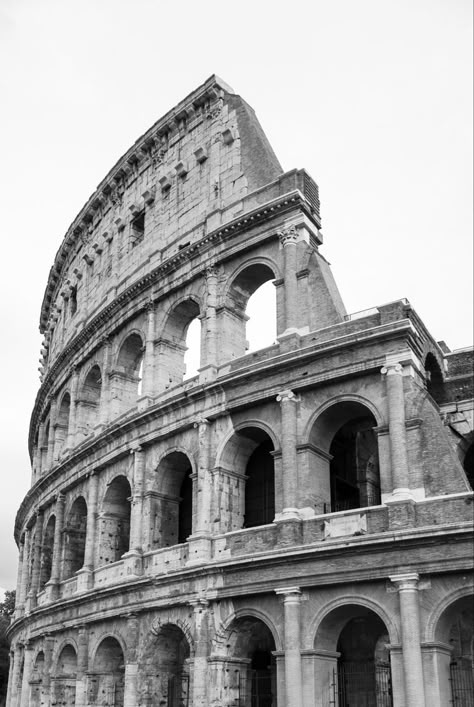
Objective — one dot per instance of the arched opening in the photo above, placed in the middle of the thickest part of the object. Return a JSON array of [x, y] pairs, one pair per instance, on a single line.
[[180, 345], [468, 465], [127, 375], [173, 506], [47, 552], [62, 424], [261, 330], [115, 521], [63, 683], [75, 538], [455, 628], [245, 317], [106, 683], [361, 675], [165, 669], [344, 458], [192, 356], [88, 401], [434, 379], [249, 672], [247, 492], [36, 682], [260, 486]]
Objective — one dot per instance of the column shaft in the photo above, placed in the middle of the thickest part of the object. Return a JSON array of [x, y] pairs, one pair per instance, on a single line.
[[396, 426], [14, 682], [58, 535], [203, 496], [293, 671], [209, 355], [21, 561], [200, 676], [288, 239], [91, 522], [71, 429], [407, 586], [25, 683], [37, 546], [22, 592], [104, 403], [148, 384], [52, 429], [136, 519], [288, 451]]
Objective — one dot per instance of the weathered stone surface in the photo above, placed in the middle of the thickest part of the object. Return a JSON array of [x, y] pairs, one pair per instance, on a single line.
[[285, 516]]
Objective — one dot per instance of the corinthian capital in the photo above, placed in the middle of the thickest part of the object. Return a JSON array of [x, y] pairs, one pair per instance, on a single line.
[[286, 395], [288, 236]]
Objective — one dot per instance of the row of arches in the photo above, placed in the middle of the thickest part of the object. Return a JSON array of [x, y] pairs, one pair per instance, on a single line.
[[356, 648], [180, 351], [341, 467]]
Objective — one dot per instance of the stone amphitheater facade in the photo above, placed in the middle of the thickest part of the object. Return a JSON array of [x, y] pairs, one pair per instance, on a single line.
[[290, 527]]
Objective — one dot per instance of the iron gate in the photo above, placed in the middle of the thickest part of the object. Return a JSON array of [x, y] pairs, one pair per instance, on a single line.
[[361, 685], [178, 690], [260, 684], [462, 685]]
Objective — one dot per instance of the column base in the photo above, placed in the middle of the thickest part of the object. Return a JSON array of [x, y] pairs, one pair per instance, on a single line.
[[289, 531], [52, 590], [287, 514], [401, 512], [133, 563], [85, 579], [200, 547], [289, 340], [207, 373], [144, 402]]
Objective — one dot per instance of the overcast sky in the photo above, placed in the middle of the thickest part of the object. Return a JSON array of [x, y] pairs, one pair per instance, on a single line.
[[372, 97]]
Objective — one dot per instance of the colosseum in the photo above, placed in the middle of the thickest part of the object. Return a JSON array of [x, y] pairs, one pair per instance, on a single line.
[[288, 527]]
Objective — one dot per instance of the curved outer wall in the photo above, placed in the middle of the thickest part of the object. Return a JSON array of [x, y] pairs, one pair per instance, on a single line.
[[205, 540]]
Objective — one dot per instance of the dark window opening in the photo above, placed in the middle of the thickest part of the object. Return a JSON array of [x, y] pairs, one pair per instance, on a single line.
[[260, 487], [73, 301], [469, 465], [138, 228], [354, 467]]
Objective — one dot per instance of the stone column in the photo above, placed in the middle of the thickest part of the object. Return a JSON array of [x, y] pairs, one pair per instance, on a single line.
[[40, 460], [288, 239], [23, 588], [209, 356], [48, 663], [396, 425], [148, 380], [52, 430], [293, 672], [104, 403], [85, 575], [36, 549], [200, 672], [131, 662], [19, 604], [53, 583], [407, 587], [200, 543], [14, 679], [71, 429], [27, 668], [288, 402], [136, 516], [82, 666]]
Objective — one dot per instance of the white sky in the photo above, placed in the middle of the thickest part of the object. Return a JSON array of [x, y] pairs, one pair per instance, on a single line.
[[373, 97]]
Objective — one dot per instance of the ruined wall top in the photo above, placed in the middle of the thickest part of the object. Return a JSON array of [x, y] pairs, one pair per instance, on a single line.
[[186, 175]]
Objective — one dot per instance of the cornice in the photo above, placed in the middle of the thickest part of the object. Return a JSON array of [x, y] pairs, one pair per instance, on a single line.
[[262, 214], [283, 363], [210, 90]]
